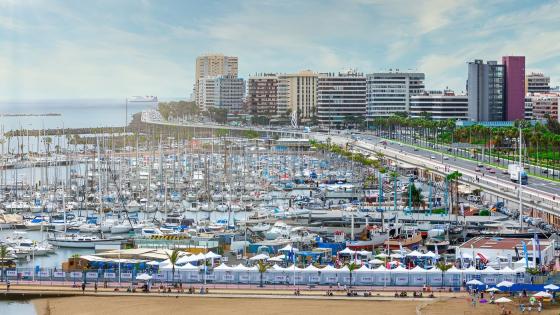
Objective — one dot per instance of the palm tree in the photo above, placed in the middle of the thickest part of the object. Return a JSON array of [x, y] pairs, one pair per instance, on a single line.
[[262, 267], [3, 256], [443, 267], [351, 267], [173, 258], [453, 180]]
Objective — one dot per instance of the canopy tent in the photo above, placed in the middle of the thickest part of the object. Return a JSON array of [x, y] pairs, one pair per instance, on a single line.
[[493, 290], [505, 284], [474, 282], [502, 300], [144, 277], [543, 294], [212, 255], [279, 258], [153, 263], [414, 253], [223, 267], [382, 255], [259, 257], [363, 268], [396, 256], [187, 267], [311, 268], [376, 261], [329, 268], [240, 267], [429, 254], [277, 268], [288, 248], [418, 269], [346, 251], [551, 287]]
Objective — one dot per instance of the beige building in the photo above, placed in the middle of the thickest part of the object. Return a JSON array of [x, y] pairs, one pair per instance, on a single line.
[[213, 65], [298, 92]]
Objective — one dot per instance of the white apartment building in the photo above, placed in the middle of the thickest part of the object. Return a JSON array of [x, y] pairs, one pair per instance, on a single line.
[[440, 105], [213, 65], [224, 92], [340, 96], [388, 93]]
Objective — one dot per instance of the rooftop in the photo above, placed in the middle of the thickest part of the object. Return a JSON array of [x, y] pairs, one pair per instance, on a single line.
[[501, 243]]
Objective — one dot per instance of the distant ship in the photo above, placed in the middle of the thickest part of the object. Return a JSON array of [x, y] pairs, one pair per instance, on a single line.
[[136, 99]]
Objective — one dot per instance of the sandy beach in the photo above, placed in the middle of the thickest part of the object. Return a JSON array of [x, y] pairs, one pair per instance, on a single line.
[[125, 305]]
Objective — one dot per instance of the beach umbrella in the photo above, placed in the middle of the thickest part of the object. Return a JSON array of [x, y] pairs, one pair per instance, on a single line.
[[259, 257], [506, 284], [502, 300], [493, 290], [543, 294], [474, 282], [551, 287], [382, 256], [144, 277]]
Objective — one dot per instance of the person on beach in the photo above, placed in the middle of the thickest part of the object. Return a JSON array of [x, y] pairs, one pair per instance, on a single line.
[[83, 287], [95, 287], [8, 285]]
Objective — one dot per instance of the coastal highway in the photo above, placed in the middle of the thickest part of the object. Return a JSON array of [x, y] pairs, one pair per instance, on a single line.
[[539, 194]]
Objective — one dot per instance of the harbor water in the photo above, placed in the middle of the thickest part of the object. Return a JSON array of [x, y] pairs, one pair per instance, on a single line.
[[17, 307]]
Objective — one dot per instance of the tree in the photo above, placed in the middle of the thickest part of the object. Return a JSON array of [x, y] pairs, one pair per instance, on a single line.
[[262, 267], [453, 182], [173, 258], [351, 267], [3, 256], [443, 267]]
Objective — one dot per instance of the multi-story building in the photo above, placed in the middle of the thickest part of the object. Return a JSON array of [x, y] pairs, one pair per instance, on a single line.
[[224, 92], [229, 91], [528, 108], [340, 96], [545, 104], [440, 105], [262, 94], [213, 65], [537, 83], [388, 93], [297, 92], [485, 90], [515, 87]]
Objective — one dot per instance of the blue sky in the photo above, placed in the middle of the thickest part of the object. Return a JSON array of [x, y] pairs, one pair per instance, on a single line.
[[116, 48]]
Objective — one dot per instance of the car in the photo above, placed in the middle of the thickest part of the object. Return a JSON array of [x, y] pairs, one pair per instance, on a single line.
[[432, 157], [445, 157], [492, 171], [477, 169], [449, 149], [480, 165], [415, 149]]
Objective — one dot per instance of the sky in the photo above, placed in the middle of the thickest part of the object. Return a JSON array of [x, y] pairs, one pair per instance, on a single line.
[[53, 49]]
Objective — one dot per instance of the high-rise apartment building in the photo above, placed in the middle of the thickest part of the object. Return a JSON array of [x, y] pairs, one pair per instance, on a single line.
[[339, 96], [262, 94], [225, 92], [297, 92], [515, 87], [528, 108], [485, 90], [213, 65], [440, 105], [388, 93], [537, 83]]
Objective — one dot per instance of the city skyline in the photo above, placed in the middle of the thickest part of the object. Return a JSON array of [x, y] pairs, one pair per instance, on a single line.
[[61, 49]]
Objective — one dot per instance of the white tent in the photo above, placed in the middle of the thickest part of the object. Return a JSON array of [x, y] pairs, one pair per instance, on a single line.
[[505, 284], [543, 294], [489, 270], [364, 253], [414, 253], [240, 267], [346, 251], [187, 267], [280, 258], [292, 268], [454, 269], [153, 263], [396, 256], [551, 287], [311, 268], [493, 290], [502, 300], [376, 261], [382, 256], [212, 255], [259, 257], [418, 269], [277, 268], [474, 282], [223, 267], [507, 270], [429, 254], [381, 269], [288, 248], [329, 268], [363, 268], [144, 277], [399, 269]]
